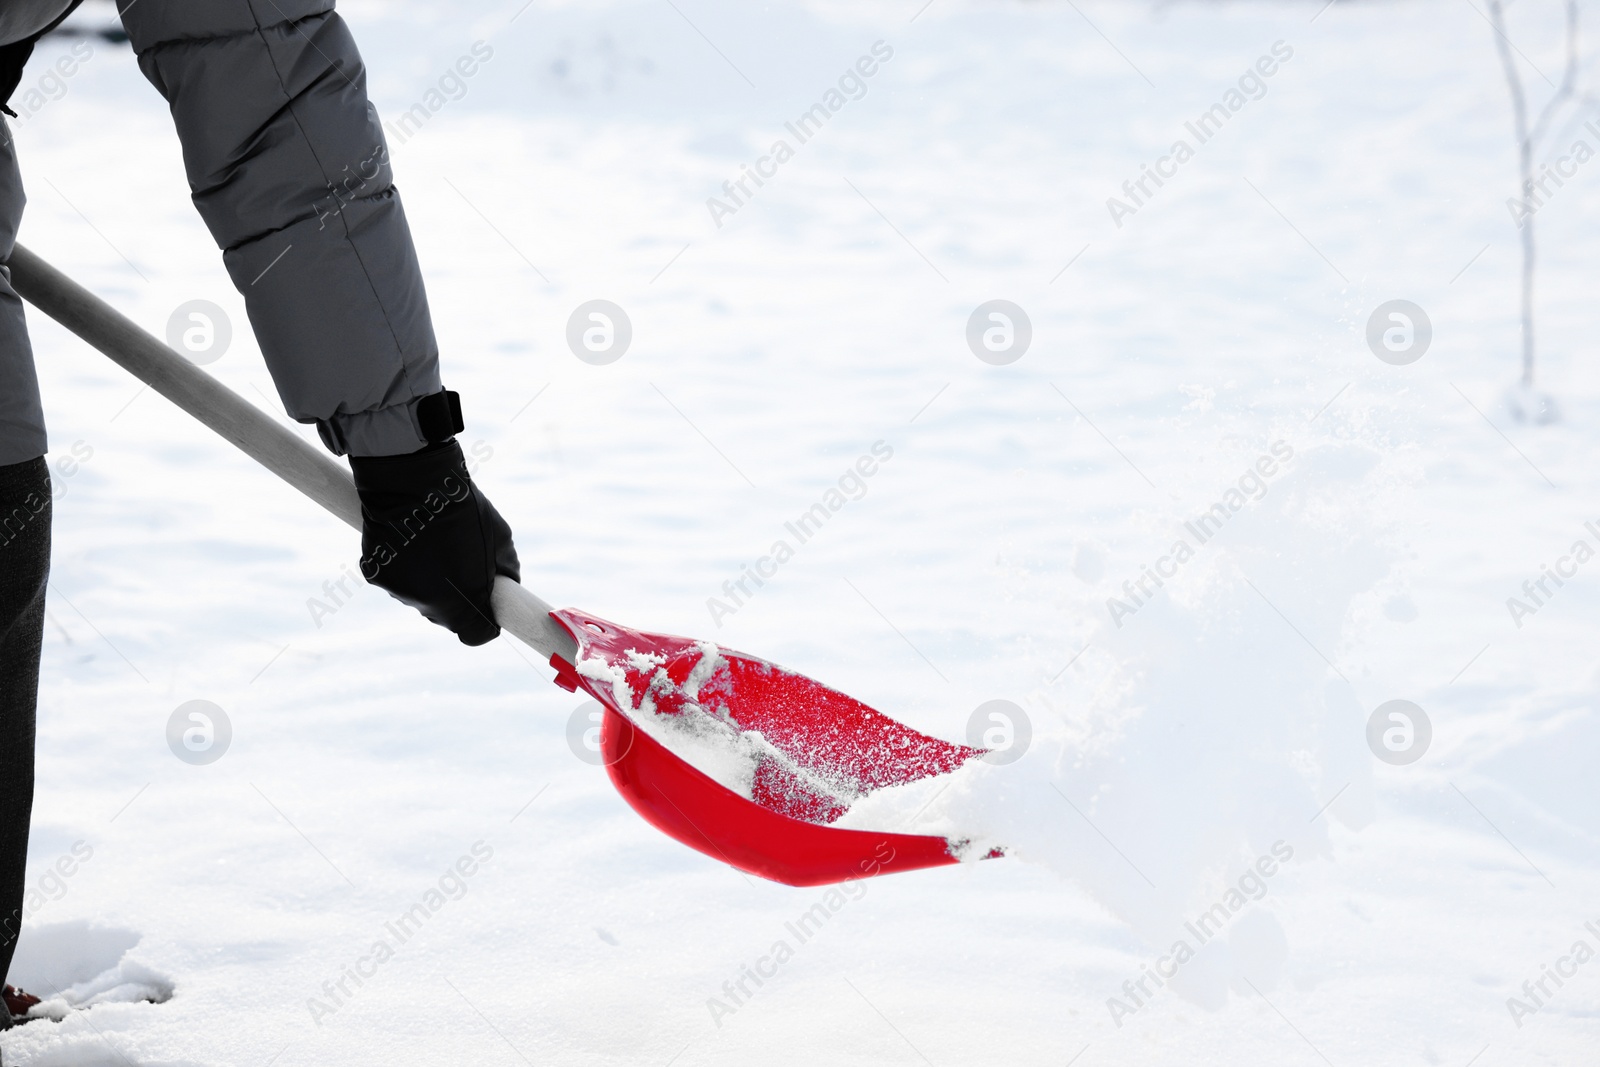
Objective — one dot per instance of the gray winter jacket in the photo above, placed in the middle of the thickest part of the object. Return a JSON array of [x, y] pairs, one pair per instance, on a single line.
[[288, 168]]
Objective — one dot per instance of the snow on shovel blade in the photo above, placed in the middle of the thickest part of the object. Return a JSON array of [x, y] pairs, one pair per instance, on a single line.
[[747, 762], [683, 719]]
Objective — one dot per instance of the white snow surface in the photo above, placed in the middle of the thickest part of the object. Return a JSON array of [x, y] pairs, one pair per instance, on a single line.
[[397, 805]]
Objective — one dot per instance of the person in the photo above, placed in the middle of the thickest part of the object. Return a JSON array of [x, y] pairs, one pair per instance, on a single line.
[[288, 167]]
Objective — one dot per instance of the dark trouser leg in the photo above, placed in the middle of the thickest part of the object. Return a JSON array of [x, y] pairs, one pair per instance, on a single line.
[[24, 566]]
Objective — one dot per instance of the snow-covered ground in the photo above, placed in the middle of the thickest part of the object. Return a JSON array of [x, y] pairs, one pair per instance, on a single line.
[[1217, 734]]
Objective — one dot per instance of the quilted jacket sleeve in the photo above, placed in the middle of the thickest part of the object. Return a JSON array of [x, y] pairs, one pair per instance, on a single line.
[[288, 167]]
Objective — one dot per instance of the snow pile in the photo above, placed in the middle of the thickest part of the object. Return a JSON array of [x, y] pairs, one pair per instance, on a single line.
[[1211, 728], [79, 964]]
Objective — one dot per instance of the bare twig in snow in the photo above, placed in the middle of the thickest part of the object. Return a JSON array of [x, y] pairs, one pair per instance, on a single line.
[[1528, 140]]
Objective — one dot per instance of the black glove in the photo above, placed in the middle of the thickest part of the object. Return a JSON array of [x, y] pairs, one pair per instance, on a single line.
[[431, 539]]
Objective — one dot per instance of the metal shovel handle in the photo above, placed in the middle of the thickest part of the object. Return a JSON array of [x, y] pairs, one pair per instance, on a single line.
[[315, 474]]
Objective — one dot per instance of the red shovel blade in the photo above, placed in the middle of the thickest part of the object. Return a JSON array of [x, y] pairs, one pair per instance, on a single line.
[[798, 752]]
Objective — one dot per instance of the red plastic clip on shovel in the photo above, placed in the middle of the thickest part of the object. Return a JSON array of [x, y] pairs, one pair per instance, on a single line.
[[812, 750]]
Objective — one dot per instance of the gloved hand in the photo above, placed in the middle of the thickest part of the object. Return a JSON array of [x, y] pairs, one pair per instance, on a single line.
[[432, 539]]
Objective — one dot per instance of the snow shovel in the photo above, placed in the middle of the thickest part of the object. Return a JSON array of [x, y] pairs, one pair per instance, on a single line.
[[787, 756]]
